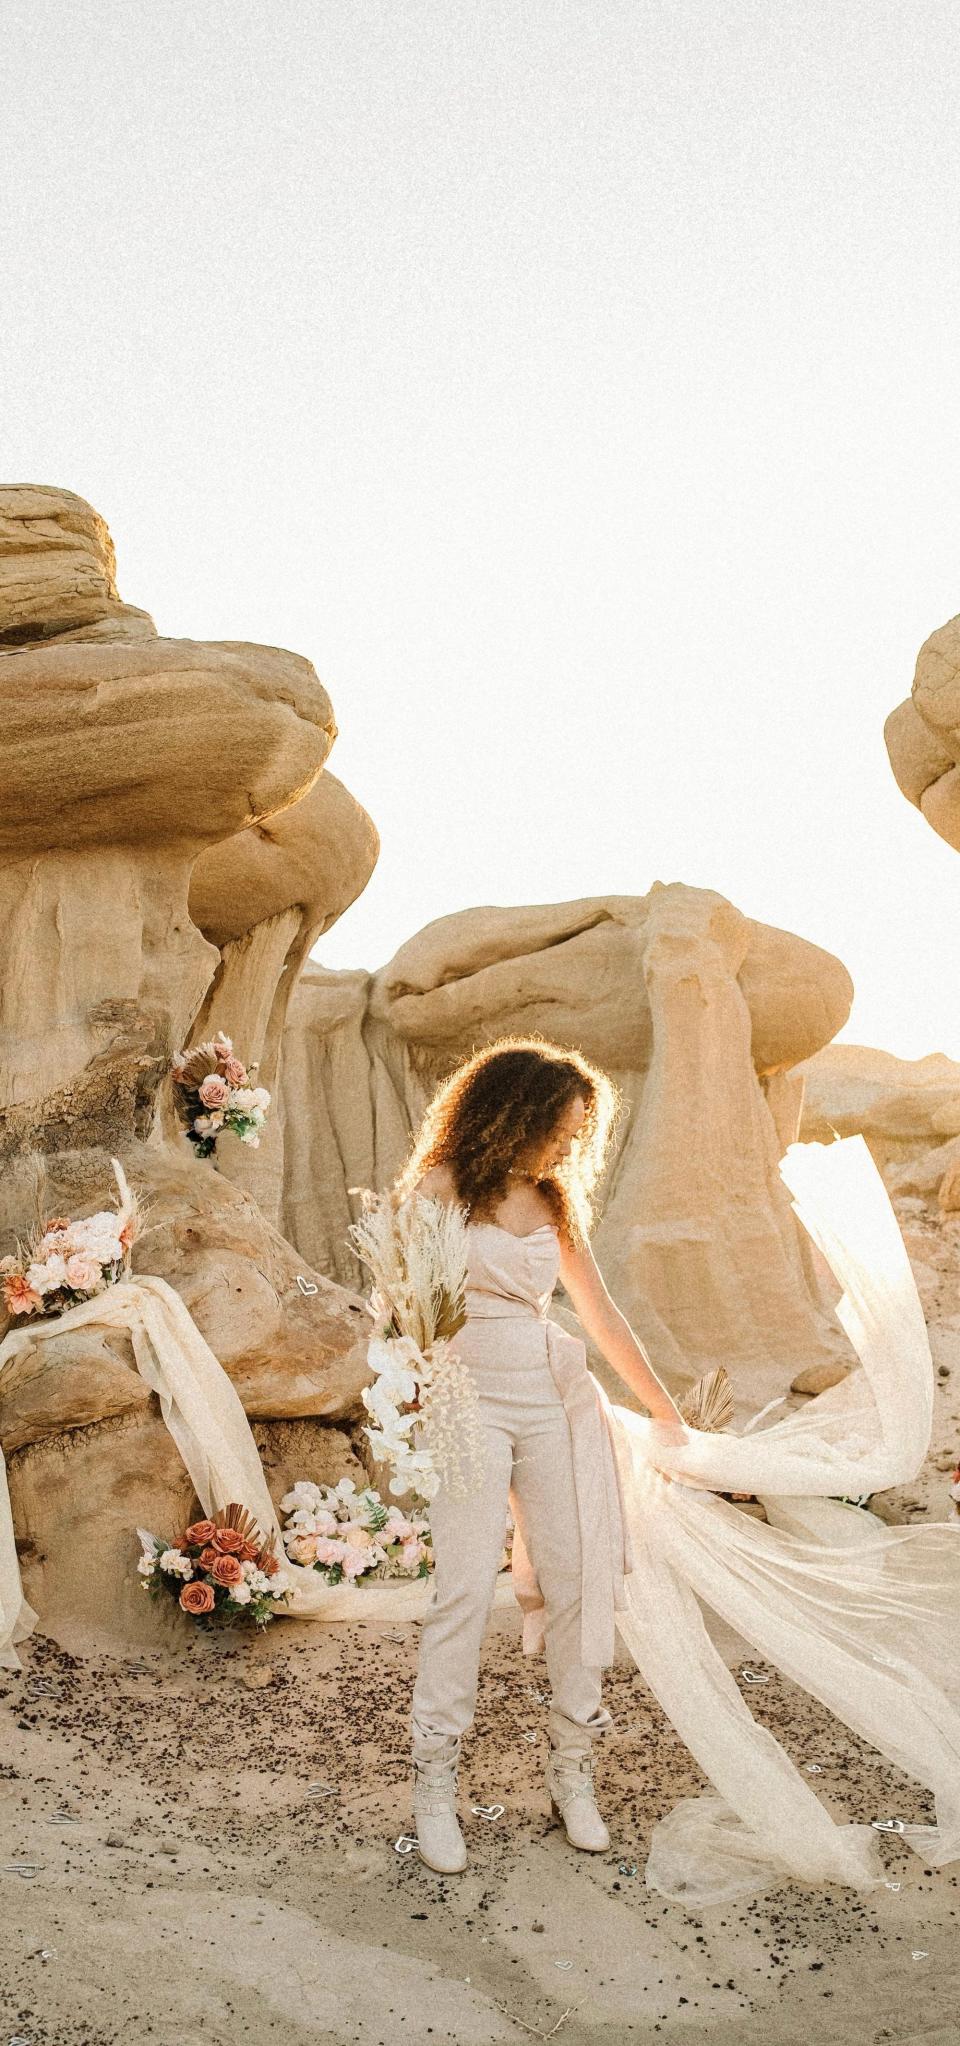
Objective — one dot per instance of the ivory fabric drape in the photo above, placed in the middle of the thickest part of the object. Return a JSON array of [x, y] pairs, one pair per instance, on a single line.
[[861, 1615]]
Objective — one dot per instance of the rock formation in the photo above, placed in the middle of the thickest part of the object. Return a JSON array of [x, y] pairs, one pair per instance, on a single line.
[[923, 734], [170, 847], [907, 1110], [696, 1011]]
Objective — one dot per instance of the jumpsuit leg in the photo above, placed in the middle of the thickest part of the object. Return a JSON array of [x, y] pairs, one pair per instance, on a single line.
[[545, 1504], [468, 1539]]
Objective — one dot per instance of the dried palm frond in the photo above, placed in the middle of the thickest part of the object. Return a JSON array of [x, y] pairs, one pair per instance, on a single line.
[[198, 1063], [242, 1520], [709, 1404]]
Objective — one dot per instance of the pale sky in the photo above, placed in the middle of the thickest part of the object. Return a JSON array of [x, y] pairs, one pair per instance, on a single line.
[[578, 386]]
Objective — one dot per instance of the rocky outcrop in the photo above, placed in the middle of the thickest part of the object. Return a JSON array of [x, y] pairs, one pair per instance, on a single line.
[[170, 847], [907, 1111], [58, 571], [698, 1012], [923, 734], [264, 898]]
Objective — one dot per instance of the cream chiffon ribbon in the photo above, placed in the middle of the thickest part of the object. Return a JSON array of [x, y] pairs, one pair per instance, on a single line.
[[862, 1616]]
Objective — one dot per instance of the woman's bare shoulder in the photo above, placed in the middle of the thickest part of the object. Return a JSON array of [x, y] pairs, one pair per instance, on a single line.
[[437, 1183]]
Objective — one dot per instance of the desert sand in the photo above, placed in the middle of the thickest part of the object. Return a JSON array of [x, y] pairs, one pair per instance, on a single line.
[[207, 1893]]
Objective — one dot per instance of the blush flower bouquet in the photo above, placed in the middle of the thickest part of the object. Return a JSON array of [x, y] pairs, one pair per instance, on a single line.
[[213, 1093], [346, 1534], [955, 1488], [424, 1401], [220, 1571], [66, 1262]]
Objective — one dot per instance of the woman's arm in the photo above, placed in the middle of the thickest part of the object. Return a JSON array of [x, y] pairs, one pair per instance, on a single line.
[[606, 1326]]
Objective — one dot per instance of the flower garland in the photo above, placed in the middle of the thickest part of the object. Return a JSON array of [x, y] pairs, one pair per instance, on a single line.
[[213, 1093], [66, 1262], [220, 1571], [346, 1534]]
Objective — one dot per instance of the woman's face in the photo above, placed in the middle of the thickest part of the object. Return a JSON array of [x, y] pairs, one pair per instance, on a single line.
[[558, 1143]]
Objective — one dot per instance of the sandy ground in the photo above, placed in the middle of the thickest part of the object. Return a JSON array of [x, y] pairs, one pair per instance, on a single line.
[[185, 1885]]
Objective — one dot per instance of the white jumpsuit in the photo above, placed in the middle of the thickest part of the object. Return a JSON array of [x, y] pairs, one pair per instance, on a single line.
[[530, 1464]]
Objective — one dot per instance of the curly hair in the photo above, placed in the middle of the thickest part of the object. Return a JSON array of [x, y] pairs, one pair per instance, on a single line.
[[497, 1108]]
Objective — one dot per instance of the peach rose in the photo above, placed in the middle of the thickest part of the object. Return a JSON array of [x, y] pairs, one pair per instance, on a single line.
[[19, 1296], [199, 1532], [227, 1541], [227, 1570], [197, 1598], [83, 1273], [214, 1092], [207, 1558]]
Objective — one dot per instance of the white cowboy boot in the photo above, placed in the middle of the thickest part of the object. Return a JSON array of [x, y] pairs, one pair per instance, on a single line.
[[570, 1784], [439, 1839]]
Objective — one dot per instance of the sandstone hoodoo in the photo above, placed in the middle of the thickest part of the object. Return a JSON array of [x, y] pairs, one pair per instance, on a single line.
[[127, 759]]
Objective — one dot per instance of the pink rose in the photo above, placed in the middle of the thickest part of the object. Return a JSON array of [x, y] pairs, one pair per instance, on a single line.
[[235, 1071], [214, 1091], [354, 1562], [330, 1552], [83, 1273]]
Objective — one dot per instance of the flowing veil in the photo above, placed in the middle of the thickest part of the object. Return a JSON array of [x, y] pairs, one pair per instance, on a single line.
[[862, 1615]]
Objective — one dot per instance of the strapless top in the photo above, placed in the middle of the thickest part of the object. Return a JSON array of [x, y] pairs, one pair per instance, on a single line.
[[509, 1274]]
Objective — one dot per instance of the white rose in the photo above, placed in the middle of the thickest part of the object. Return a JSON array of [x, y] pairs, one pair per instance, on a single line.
[[49, 1276], [176, 1563], [303, 1493]]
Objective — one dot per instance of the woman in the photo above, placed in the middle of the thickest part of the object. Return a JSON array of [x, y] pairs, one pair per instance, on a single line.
[[518, 1136], [860, 1614]]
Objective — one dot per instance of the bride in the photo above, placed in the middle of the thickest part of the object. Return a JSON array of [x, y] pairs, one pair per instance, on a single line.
[[619, 1527]]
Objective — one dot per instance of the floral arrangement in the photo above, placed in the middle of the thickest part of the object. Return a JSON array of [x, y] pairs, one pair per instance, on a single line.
[[213, 1093], [66, 1262], [346, 1534], [424, 1402], [220, 1571], [955, 1488]]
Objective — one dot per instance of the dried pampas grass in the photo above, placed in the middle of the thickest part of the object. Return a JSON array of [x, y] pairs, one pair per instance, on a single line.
[[417, 1257], [709, 1404]]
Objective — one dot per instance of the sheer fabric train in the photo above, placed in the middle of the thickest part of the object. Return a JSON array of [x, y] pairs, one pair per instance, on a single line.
[[863, 1616]]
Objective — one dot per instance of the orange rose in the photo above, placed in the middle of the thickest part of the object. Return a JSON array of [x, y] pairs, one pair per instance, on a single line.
[[207, 1558], [20, 1297], [226, 1570], [197, 1598], [227, 1541], [201, 1531], [249, 1552]]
